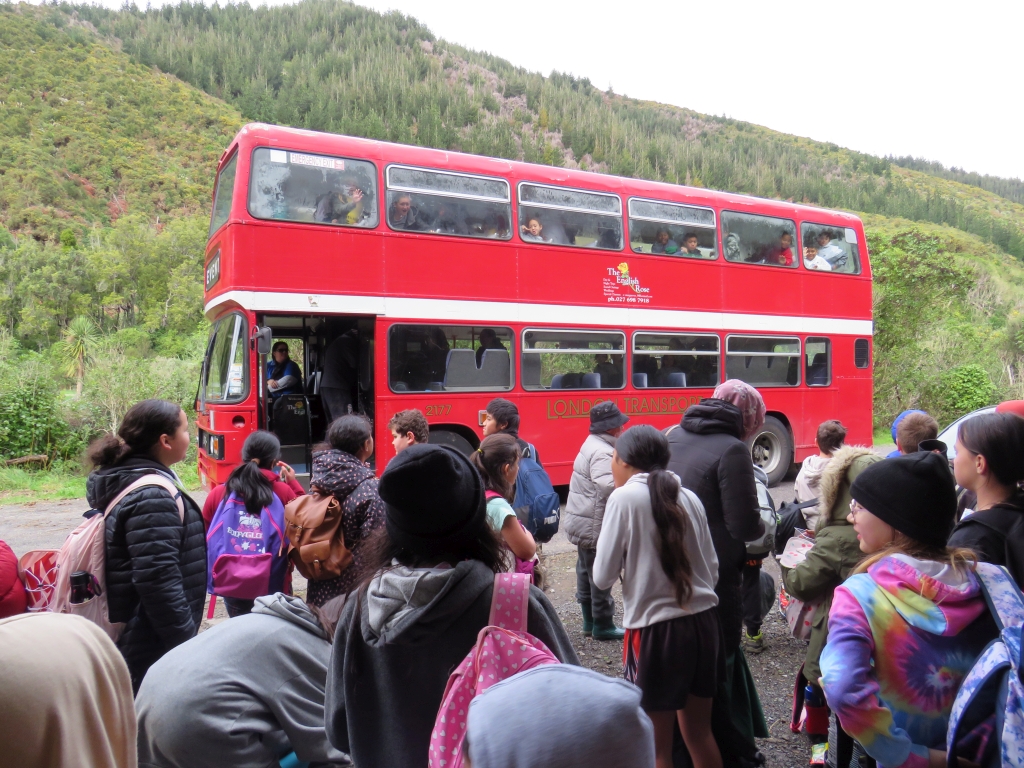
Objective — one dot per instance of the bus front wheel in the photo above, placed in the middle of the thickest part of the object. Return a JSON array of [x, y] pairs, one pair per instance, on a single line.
[[772, 449], [451, 439]]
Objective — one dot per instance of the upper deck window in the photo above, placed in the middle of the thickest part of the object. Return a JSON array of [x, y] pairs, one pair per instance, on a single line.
[[570, 217], [830, 249], [222, 194], [671, 230], [565, 359], [421, 200], [754, 239], [298, 186]]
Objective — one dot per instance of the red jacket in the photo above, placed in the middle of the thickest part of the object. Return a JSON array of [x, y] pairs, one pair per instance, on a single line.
[[285, 492]]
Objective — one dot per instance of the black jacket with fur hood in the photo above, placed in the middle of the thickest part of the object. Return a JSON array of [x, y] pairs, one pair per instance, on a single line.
[[155, 564]]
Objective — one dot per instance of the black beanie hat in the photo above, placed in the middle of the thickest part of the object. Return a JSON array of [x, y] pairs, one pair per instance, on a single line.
[[434, 499], [915, 494]]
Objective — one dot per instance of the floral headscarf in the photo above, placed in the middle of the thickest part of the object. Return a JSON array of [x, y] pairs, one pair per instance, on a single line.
[[748, 400]]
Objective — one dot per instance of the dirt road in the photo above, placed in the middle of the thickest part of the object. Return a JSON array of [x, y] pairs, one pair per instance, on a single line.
[[43, 525]]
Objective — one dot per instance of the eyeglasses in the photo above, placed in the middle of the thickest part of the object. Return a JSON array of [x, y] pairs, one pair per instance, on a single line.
[[856, 508]]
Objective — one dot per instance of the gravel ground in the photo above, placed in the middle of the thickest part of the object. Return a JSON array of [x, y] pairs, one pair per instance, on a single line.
[[45, 524], [773, 669]]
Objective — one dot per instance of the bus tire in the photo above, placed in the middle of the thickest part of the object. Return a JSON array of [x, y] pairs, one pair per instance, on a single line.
[[772, 450], [451, 439]]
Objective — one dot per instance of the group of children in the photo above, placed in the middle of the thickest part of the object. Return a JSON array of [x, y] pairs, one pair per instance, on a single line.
[[358, 670]]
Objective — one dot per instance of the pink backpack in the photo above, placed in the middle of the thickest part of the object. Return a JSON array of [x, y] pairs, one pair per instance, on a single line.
[[47, 572], [502, 649]]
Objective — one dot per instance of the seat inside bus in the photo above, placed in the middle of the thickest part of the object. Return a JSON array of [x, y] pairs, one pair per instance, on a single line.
[[461, 371]]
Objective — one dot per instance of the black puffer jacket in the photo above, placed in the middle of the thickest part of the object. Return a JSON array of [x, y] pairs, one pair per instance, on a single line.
[[714, 463], [156, 566], [996, 534], [354, 485]]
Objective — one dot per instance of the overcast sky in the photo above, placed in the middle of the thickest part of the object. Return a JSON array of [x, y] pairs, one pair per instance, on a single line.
[[938, 80]]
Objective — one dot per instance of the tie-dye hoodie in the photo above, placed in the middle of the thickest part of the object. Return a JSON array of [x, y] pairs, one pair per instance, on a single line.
[[901, 639]]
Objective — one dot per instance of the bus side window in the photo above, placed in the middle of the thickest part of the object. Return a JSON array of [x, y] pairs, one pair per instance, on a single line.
[[566, 359], [763, 361], [755, 239], [569, 217], [669, 360], [830, 249], [670, 229], [424, 200], [446, 358], [818, 361]]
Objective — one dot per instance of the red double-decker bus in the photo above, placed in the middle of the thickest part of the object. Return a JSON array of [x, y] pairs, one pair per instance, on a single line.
[[401, 277]]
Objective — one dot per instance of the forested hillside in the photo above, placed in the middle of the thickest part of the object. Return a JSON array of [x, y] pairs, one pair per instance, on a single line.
[[333, 66], [111, 123]]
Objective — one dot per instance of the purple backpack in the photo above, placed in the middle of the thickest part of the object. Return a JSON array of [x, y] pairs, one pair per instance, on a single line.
[[246, 555]]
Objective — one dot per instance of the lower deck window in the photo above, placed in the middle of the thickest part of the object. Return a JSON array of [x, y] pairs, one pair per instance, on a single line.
[[763, 361], [818, 361], [573, 359], [445, 358], [673, 360]]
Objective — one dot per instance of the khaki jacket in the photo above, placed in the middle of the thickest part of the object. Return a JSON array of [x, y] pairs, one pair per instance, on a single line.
[[836, 550]]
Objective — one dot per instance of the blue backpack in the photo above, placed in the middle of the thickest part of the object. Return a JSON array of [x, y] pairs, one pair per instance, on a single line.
[[536, 504], [246, 555], [990, 702]]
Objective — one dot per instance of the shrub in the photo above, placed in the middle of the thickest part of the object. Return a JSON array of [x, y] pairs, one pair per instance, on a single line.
[[964, 389]]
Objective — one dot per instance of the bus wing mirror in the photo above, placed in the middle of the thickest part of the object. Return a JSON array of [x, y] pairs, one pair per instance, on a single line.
[[264, 337]]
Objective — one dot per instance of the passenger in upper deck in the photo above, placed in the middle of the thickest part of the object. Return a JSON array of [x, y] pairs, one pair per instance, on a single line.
[[663, 243], [531, 231], [782, 254], [450, 220], [341, 206], [690, 243], [402, 214], [813, 260], [283, 374], [830, 252]]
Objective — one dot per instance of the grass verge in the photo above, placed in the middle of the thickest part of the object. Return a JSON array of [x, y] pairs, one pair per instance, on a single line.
[[62, 481]]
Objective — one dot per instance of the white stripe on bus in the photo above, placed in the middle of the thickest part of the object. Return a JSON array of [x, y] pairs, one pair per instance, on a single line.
[[515, 312]]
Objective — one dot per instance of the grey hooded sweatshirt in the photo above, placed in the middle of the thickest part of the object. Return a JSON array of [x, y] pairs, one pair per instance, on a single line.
[[536, 719], [395, 647], [244, 693]]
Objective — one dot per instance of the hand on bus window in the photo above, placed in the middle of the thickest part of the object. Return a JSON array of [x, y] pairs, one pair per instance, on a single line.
[[286, 473]]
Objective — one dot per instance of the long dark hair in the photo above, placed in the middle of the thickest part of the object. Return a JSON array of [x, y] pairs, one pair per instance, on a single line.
[[646, 449], [494, 453], [349, 433], [141, 429], [999, 437], [261, 450]]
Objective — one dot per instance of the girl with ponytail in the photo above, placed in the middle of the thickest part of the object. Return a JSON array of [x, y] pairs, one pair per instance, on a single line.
[[255, 483], [655, 534]]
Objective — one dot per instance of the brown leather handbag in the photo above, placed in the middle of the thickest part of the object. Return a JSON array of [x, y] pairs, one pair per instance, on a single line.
[[316, 541]]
